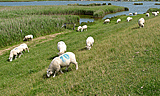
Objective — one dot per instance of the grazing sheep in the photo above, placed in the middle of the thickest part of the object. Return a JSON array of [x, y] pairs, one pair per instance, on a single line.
[[80, 27], [63, 60], [135, 13], [61, 46], [130, 14], [89, 42], [147, 14], [129, 19], [28, 37], [24, 47], [15, 52], [84, 27], [141, 22], [106, 21], [118, 20]]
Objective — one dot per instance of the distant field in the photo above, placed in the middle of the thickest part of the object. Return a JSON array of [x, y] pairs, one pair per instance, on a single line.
[[18, 21], [124, 61]]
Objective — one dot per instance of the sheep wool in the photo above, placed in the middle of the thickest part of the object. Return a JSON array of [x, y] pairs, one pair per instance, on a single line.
[[89, 42], [63, 60], [61, 46], [141, 22]]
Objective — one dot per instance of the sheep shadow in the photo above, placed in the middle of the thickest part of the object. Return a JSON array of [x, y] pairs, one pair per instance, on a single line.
[[83, 49], [135, 28], [51, 58]]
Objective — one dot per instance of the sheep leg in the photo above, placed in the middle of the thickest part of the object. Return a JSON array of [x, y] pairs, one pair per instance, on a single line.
[[67, 68], [61, 71], [75, 63]]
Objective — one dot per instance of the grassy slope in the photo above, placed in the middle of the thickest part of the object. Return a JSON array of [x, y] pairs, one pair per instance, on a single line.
[[111, 67]]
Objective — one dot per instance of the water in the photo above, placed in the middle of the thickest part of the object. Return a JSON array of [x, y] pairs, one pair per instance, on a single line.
[[140, 9]]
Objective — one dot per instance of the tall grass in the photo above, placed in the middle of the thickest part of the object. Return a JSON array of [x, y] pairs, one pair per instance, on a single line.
[[13, 30], [123, 61]]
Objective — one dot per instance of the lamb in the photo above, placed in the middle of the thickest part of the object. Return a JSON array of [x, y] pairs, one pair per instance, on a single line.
[[15, 52], [24, 47], [141, 22], [106, 21], [28, 37], [61, 46], [84, 27], [118, 20], [80, 27], [63, 60], [89, 42], [129, 19], [147, 14]]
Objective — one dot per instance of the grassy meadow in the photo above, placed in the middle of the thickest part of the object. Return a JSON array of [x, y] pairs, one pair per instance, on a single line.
[[19, 21], [124, 61]]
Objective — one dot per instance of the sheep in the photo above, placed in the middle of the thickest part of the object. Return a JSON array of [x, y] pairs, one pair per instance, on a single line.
[[147, 14], [118, 20], [135, 13], [89, 42], [84, 27], [63, 60], [130, 14], [129, 19], [28, 37], [61, 46], [24, 47], [154, 13], [157, 12], [80, 27], [15, 52], [141, 22], [106, 21]]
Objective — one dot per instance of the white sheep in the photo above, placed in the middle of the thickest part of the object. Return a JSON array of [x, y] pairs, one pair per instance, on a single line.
[[141, 22], [79, 28], [84, 27], [147, 14], [118, 20], [135, 13], [154, 13], [61, 46], [106, 21], [15, 52], [24, 47], [63, 60], [89, 42], [130, 14], [28, 37], [157, 12], [129, 19]]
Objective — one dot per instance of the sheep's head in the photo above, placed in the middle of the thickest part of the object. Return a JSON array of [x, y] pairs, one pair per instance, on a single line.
[[49, 72]]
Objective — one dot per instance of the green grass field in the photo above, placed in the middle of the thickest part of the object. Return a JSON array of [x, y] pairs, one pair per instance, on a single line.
[[125, 60]]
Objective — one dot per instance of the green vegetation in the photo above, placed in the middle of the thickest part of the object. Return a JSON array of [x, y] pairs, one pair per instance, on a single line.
[[125, 60], [138, 4], [157, 4], [153, 10], [18, 21]]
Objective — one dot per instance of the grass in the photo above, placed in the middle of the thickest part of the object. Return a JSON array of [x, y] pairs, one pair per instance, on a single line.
[[123, 61], [18, 21]]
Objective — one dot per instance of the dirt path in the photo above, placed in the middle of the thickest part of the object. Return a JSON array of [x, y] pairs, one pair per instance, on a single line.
[[34, 41]]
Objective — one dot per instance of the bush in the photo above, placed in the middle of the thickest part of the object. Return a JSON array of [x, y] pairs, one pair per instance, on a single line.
[[138, 4], [157, 4], [109, 4]]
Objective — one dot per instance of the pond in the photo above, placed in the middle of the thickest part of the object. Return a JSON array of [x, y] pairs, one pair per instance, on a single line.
[[140, 9]]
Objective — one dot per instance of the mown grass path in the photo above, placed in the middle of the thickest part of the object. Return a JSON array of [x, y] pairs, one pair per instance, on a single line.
[[123, 61]]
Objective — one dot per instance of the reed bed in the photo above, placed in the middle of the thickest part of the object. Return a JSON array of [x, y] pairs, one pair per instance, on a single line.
[[13, 30]]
